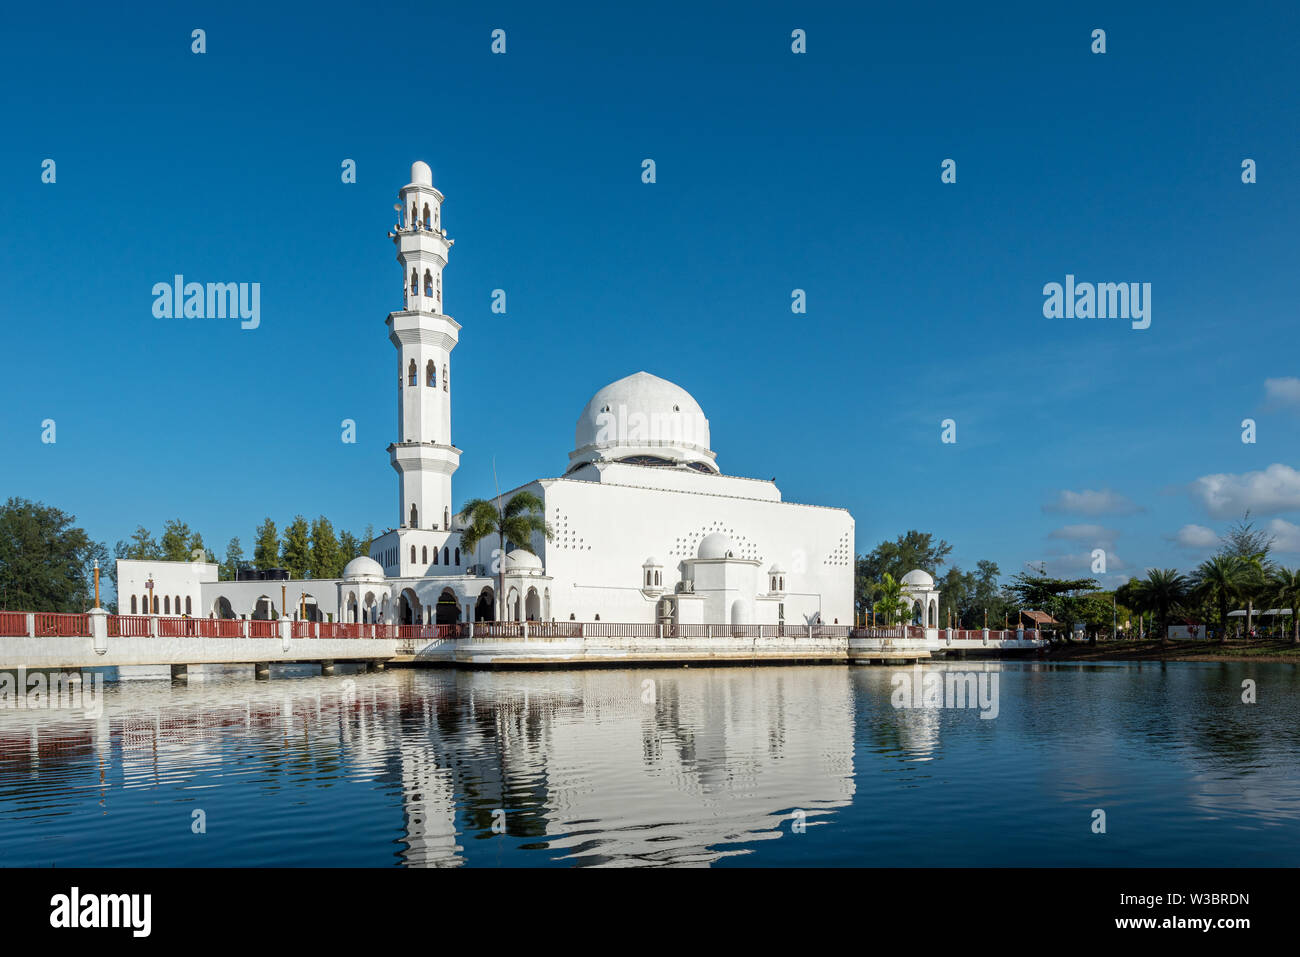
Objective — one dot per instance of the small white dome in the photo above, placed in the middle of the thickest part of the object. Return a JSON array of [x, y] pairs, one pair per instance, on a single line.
[[715, 545], [650, 563], [520, 560], [918, 579], [421, 175], [363, 567], [776, 569]]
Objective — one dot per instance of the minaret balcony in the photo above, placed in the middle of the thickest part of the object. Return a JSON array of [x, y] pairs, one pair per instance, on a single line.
[[424, 457]]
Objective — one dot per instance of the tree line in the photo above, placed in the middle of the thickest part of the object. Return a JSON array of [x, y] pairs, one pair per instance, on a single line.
[[1241, 572], [307, 549]]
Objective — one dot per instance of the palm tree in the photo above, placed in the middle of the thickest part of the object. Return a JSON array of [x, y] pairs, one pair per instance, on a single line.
[[1286, 592], [1256, 571], [1219, 581], [891, 605], [517, 521], [1161, 592]]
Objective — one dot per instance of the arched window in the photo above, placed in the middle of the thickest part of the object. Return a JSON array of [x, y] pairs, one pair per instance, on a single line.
[[458, 558], [415, 218], [446, 517], [431, 374], [438, 289], [444, 377], [659, 579], [446, 557], [415, 283], [415, 517], [648, 580], [428, 220], [411, 373], [412, 554], [428, 284], [177, 604], [435, 556], [188, 606], [167, 604], [133, 605]]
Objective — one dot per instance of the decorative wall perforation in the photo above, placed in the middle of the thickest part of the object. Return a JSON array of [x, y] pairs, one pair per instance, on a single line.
[[842, 553], [566, 537], [688, 545]]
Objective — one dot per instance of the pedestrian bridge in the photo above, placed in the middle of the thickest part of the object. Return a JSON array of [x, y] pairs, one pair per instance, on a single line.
[[97, 639]]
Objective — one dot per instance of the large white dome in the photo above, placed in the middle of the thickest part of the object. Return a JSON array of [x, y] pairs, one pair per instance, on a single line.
[[644, 420]]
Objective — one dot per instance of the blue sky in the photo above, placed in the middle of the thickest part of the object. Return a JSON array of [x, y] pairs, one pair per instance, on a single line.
[[775, 171]]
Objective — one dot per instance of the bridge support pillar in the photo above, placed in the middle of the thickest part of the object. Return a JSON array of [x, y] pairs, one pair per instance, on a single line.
[[99, 630], [375, 665], [261, 670], [180, 672], [327, 667]]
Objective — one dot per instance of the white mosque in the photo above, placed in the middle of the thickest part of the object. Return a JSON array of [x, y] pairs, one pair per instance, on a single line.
[[646, 526]]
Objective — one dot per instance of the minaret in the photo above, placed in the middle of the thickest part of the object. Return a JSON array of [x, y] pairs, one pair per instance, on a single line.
[[423, 454]]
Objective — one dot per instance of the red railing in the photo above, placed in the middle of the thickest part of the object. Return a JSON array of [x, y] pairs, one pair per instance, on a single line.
[[180, 628], [499, 629], [13, 623], [303, 629], [54, 625], [430, 632], [615, 629], [261, 629], [873, 632], [555, 629], [128, 626], [224, 628], [688, 631]]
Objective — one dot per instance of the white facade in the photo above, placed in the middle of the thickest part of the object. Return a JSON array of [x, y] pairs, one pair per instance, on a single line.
[[646, 526]]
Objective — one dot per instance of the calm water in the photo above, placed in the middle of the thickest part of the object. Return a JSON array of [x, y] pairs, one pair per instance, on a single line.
[[412, 768]]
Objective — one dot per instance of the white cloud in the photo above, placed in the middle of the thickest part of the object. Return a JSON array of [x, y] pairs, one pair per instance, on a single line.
[[1092, 502], [1085, 533], [1079, 565], [1286, 536], [1283, 392], [1195, 537], [1226, 495]]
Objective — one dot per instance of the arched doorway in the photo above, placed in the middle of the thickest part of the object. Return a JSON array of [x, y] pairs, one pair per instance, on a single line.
[[221, 608], [263, 609], [448, 608], [485, 607], [532, 605], [408, 608]]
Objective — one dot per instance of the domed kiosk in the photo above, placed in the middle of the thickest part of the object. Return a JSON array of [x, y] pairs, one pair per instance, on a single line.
[[918, 588]]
